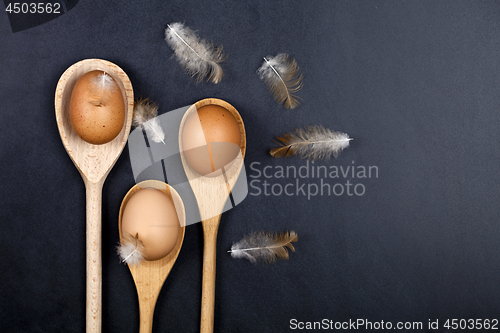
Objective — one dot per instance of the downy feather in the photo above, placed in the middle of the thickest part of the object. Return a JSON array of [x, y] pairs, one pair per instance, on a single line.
[[198, 57], [146, 116], [312, 143], [131, 249], [264, 247], [103, 81], [282, 77], [103, 84]]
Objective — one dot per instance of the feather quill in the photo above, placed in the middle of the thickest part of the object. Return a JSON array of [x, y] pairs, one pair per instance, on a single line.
[[282, 76], [131, 249], [198, 57], [264, 247], [146, 117], [312, 143]]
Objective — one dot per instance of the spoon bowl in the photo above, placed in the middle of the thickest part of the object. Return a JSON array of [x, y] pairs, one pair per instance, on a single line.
[[149, 276], [94, 162], [212, 193]]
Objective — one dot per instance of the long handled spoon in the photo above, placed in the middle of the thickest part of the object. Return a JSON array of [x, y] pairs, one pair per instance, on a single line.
[[211, 195], [94, 162], [149, 276]]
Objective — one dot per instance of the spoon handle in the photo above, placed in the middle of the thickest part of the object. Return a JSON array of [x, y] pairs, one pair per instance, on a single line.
[[210, 228], [94, 261], [148, 286], [146, 311]]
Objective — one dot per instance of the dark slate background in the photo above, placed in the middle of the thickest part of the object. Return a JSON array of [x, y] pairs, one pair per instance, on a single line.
[[415, 83]]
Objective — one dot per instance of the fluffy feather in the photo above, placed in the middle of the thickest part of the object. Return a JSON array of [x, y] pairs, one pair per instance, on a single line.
[[282, 77], [103, 81], [264, 246], [312, 143], [131, 249], [146, 116], [198, 57], [103, 84]]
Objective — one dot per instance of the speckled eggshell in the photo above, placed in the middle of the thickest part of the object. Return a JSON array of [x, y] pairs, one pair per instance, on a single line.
[[150, 214], [210, 139], [96, 115]]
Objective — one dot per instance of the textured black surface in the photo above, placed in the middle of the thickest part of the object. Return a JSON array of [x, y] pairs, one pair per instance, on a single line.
[[415, 83]]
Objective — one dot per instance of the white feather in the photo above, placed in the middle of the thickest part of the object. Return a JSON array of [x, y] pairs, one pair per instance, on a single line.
[[103, 82], [146, 116], [282, 76], [130, 250], [312, 143], [154, 130], [199, 57], [264, 246]]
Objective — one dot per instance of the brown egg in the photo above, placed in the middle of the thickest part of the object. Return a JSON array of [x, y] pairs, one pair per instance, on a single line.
[[150, 214], [211, 139], [96, 108]]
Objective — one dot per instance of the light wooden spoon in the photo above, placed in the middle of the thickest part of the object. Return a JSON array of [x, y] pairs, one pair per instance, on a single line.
[[149, 276], [211, 195], [94, 162]]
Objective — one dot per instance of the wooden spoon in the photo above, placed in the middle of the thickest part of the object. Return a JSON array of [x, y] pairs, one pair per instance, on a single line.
[[94, 162], [149, 276], [211, 195]]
